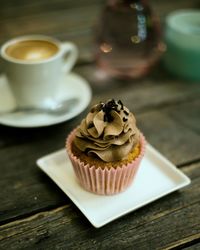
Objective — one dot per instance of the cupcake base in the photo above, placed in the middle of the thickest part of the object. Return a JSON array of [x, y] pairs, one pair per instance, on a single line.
[[107, 181]]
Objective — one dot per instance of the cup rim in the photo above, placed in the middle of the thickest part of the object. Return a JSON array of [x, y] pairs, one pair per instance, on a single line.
[[180, 15], [26, 38]]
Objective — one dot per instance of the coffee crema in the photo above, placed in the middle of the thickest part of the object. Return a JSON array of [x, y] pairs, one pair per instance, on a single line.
[[32, 50]]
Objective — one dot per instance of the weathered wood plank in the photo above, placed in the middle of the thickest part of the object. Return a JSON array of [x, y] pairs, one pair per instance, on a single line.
[[55, 21], [11, 9], [14, 137], [24, 188], [154, 92], [170, 137], [27, 182], [52, 23], [195, 246], [157, 90], [61, 25], [171, 221], [56, 18], [26, 145], [187, 113]]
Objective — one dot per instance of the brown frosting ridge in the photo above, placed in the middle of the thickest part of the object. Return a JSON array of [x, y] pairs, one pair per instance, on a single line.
[[109, 132]]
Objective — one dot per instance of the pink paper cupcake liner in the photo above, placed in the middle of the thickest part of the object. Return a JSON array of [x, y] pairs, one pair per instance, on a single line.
[[105, 181]]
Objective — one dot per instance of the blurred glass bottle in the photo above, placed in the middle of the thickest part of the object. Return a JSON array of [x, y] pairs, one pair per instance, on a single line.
[[128, 40]]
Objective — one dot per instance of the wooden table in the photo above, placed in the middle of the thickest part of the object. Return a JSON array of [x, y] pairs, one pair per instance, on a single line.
[[34, 212]]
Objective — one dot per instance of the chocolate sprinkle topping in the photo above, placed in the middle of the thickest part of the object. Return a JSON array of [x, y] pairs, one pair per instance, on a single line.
[[107, 108], [120, 103], [126, 113], [125, 119]]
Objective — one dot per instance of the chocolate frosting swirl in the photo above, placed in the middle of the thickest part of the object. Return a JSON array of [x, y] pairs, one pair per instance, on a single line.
[[109, 131]]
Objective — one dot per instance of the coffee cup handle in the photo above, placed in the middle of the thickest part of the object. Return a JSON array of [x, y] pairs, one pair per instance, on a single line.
[[70, 55]]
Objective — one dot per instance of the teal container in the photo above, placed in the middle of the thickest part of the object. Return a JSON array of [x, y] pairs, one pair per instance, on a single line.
[[182, 38]]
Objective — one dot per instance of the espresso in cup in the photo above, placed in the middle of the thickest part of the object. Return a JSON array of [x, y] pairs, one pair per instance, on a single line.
[[32, 50], [36, 67]]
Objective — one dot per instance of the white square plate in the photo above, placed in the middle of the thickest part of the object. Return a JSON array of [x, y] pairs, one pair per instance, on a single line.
[[156, 177]]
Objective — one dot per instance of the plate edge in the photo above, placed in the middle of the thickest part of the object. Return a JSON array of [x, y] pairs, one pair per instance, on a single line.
[[186, 181]]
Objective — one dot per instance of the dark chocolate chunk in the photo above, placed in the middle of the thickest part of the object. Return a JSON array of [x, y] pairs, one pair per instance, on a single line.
[[126, 113], [109, 106], [121, 104], [125, 119]]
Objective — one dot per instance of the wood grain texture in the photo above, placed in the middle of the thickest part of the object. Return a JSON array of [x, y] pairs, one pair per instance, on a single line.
[[34, 212], [188, 114], [66, 20], [59, 24], [195, 246], [160, 225], [30, 191], [157, 90], [24, 187], [170, 138]]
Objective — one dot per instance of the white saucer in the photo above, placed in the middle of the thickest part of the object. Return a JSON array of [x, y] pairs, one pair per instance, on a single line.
[[156, 177], [74, 86]]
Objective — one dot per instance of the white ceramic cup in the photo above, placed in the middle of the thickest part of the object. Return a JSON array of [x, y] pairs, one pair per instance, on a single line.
[[36, 83]]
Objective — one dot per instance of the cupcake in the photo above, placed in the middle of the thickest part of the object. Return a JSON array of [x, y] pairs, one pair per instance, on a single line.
[[106, 148]]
